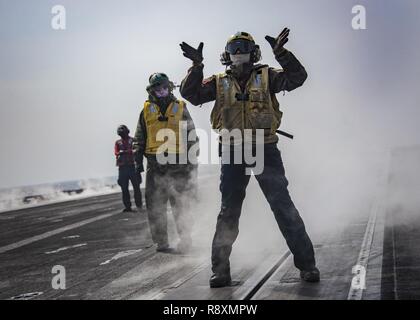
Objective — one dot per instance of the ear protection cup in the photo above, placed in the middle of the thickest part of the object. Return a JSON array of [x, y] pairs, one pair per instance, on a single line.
[[171, 86], [225, 58], [256, 54]]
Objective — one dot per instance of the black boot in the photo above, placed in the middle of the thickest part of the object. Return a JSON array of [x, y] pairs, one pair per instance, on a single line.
[[310, 275], [219, 280]]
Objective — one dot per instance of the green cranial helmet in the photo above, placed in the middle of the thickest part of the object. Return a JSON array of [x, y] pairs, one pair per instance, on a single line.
[[240, 43], [157, 79], [160, 88]]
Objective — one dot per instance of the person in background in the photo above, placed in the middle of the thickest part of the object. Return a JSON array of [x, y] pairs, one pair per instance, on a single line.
[[126, 169], [174, 181]]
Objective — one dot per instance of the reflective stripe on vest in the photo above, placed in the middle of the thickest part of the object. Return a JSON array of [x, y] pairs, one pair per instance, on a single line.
[[253, 109], [174, 114]]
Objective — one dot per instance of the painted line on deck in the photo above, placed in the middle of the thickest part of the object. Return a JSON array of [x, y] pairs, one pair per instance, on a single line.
[[358, 283], [121, 254], [179, 282], [160, 293], [72, 237], [66, 248], [26, 296], [394, 261], [53, 233]]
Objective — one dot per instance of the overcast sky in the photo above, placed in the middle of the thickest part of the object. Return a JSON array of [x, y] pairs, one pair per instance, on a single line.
[[63, 93]]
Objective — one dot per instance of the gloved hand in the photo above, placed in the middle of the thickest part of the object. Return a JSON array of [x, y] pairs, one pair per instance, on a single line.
[[278, 43], [139, 168], [196, 55]]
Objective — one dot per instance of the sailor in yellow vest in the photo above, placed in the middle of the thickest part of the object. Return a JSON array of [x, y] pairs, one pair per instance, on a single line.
[[173, 180], [245, 100]]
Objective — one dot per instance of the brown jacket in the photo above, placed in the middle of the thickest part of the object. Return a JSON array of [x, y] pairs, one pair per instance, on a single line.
[[199, 91]]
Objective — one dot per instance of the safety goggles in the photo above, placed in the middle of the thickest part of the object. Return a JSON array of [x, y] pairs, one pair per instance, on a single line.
[[240, 46]]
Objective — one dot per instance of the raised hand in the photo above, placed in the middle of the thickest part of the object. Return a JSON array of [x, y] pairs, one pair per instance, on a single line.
[[278, 43], [196, 55]]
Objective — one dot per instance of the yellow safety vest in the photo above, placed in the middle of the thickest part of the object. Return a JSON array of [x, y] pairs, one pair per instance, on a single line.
[[174, 114], [256, 108]]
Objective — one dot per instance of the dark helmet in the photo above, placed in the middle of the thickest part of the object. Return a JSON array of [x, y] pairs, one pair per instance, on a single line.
[[241, 42], [122, 129], [157, 79]]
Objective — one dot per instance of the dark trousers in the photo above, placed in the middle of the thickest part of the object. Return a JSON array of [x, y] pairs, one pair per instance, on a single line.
[[273, 183], [125, 175], [171, 183]]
